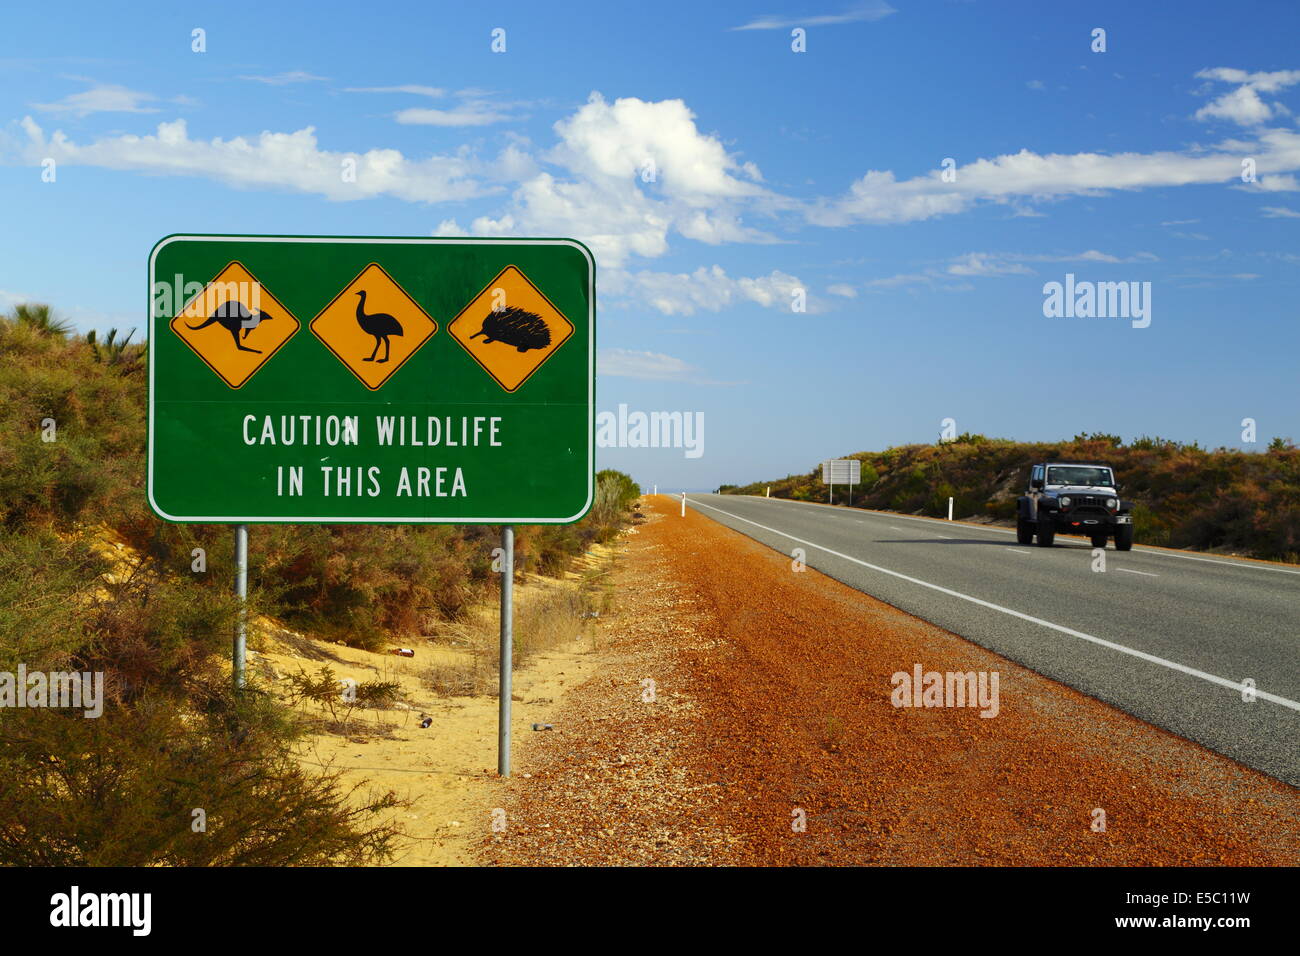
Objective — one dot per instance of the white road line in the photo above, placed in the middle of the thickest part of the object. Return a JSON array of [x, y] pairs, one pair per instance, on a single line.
[[1157, 553], [1231, 564], [1131, 571], [1020, 551], [1132, 652]]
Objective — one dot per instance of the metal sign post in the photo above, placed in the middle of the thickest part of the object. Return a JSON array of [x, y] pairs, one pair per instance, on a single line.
[[507, 648], [237, 666]]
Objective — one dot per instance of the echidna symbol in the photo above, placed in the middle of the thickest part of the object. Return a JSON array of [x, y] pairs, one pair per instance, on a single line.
[[514, 326]]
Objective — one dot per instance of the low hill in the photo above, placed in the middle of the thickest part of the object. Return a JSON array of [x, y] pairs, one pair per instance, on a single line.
[[1185, 496]]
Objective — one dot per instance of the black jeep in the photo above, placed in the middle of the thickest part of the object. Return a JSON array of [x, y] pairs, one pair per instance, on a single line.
[[1074, 499]]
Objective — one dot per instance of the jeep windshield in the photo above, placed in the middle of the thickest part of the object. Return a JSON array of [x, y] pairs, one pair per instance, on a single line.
[[1080, 475]]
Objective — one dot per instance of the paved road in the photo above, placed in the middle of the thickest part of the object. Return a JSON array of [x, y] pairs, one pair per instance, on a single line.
[[1167, 636]]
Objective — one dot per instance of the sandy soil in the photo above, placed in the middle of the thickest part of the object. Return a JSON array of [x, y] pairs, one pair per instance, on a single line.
[[447, 770], [762, 721]]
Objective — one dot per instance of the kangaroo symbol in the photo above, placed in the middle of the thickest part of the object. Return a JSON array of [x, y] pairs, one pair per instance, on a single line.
[[381, 325], [233, 316]]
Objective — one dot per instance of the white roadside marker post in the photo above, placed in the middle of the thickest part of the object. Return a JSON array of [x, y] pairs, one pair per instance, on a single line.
[[769, 492], [683, 504], [507, 648], [949, 509]]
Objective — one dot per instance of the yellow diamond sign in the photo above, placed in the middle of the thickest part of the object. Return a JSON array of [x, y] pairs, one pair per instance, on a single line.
[[510, 328], [373, 326], [235, 325]]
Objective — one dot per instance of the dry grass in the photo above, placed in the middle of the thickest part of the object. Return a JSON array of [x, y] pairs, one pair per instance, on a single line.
[[473, 673], [549, 614]]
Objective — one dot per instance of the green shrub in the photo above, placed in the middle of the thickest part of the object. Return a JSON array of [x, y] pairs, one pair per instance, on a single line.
[[121, 789]]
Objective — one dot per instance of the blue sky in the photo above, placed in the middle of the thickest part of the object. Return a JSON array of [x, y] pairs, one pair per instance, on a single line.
[[775, 171]]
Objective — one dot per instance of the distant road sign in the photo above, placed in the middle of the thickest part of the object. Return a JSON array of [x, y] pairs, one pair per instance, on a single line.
[[443, 380], [841, 471]]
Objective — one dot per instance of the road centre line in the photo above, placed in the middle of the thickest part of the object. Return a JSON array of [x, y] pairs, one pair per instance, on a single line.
[[1102, 642]]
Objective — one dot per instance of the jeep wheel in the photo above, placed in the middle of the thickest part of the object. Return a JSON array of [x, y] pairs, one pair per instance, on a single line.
[[1099, 541], [1124, 537], [1024, 531], [1046, 534]]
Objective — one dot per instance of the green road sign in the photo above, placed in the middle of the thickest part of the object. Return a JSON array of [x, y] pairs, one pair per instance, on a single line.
[[335, 379]]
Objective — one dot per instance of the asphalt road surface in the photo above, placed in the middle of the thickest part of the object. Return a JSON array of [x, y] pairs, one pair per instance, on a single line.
[[1168, 636]]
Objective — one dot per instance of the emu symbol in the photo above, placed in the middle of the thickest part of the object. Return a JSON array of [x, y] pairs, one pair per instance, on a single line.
[[379, 324]]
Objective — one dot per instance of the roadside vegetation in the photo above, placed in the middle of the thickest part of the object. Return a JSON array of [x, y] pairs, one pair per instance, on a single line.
[[90, 580], [1185, 496]]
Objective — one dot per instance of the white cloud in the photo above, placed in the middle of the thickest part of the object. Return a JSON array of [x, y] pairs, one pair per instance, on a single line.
[[1036, 85], [878, 197], [10, 299], [1090, 255], [983, 264], [469, 115], [284, 79], [993, 264], [653, 366], [101, 99], [1241, 276], [431, 91], [614, 222], [906, 278], [634, 172], [1274, 184], [656, 141], [1244, 105], [473, 111], [1265, 82], [870, 10], [1280, 212], [843, 290], [707, 289], [275, 160]]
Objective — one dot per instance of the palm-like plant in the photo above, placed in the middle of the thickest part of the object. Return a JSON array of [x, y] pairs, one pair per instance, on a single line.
[[111, 350], [38, 316]]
